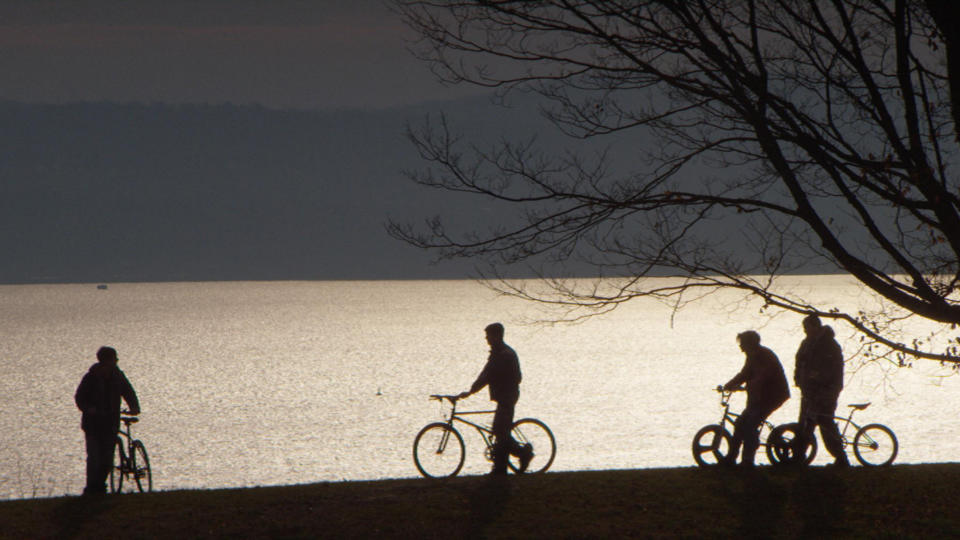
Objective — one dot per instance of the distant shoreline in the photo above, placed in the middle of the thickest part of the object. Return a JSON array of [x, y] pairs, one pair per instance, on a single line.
[[342, 279]]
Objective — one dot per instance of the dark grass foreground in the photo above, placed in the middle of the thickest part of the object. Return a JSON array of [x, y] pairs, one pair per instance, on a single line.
[[918, 501]]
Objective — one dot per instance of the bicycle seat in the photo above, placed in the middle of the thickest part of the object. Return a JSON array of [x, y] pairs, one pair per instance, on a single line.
[[129, 420], [859, 406]]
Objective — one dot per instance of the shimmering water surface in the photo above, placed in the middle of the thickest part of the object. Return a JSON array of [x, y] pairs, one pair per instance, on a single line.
[[250, 383]]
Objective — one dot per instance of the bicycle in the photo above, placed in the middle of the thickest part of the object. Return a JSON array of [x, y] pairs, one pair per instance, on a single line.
[[131, 460], [439, 450], [711, 444], [874, 445]]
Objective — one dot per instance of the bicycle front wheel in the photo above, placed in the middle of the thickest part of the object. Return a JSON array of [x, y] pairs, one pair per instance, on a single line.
[[438, 451], [140, 467], [782, 448], [875, 445], [118, 467], [711, 445], [542, 445]]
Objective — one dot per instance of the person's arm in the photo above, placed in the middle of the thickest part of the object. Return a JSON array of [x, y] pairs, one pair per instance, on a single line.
[[478, 384], [836, 365], [129, 395], [738, 379], [82, 397], [798, 366]]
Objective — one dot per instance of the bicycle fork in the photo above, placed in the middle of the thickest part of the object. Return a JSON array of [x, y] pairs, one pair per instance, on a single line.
[[444, 439]]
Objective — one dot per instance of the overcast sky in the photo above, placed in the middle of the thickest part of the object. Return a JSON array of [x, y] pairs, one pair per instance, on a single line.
[[310, 54], [315, 172]]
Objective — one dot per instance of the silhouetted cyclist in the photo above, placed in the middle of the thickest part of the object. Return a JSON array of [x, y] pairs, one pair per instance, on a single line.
[[98, 397], [819, 374], [767, 390], [502, 375]]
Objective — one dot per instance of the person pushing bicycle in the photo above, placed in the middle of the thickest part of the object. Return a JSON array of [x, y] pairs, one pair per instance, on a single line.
[[98, 398], [819, 375], [502, 375]]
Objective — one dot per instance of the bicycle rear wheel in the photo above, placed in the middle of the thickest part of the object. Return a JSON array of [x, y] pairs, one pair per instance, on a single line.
[[118, 466], [544, 447], [875, 445], [438, 451], [711, 445], [140, 467], [781, 448]]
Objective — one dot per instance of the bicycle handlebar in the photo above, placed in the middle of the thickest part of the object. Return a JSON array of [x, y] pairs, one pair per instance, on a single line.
[[441, 397]]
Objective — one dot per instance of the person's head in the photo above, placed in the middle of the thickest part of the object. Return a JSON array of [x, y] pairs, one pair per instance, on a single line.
[[494, 333], [812, 324], [107, 355], [748, 340]]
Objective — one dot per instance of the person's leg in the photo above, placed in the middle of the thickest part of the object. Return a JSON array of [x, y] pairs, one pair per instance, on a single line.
[[503, 442], [107, 444], [93, 463], [99, 461], [806, 419], [829, 432], [807, 424], [736, 441], [749, 424]]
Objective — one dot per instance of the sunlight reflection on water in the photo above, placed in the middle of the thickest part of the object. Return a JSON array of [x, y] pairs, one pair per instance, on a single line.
[[252, 383]]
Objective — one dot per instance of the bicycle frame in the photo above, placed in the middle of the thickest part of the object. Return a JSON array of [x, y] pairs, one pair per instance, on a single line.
[[124, 433], [847, 422], [872, 444], [485, 432], [134, 463], [439, 448], [729, 418]]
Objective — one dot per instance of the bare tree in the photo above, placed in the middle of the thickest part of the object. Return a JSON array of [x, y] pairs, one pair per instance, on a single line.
[[806, 132]]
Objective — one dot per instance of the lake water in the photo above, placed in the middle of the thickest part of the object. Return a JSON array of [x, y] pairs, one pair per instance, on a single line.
[[251, 383]]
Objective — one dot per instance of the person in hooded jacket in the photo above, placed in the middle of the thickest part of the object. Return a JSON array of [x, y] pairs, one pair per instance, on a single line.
[[502, 375], [767, 390], [819, 375], [98, 398]]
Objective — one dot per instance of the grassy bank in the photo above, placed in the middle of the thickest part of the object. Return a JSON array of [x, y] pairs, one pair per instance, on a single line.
[[901, 501]]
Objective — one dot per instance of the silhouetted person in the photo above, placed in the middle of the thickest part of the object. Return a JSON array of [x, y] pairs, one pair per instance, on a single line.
[[819, 374], [502, 375], [98, 397], [767, 389]]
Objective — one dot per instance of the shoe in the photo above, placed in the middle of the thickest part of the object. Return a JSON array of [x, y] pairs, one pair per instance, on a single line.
[[841, 463], [94, 493], [526, 454]]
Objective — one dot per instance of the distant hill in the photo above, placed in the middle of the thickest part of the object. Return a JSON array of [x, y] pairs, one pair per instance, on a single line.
[[150, 192], [106, 192]]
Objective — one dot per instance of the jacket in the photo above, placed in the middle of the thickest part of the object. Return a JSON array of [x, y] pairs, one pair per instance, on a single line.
[[98, 398], [501, 374], [766, 382], [819, 364]]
